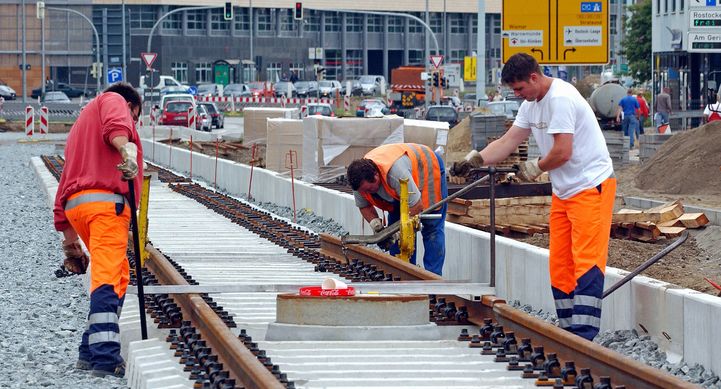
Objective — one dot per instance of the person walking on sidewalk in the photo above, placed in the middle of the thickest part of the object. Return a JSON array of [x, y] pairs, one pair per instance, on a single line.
[[575, 155], [643, 112], [375, 180], [629, 107], [103, 152]]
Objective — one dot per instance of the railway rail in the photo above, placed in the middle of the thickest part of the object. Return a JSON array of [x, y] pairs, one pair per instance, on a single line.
[[220, 338]]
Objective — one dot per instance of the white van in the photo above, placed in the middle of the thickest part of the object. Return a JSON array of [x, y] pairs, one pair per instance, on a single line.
[[162, 82]]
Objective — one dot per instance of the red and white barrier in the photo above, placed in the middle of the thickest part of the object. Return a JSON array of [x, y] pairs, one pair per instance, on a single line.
[[191, 118], [389, 102], [265, 100], [29, 121], [43, 120], [346, 103], [153, 116]]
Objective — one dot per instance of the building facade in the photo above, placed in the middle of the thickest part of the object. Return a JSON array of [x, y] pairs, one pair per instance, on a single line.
[[264, 42]]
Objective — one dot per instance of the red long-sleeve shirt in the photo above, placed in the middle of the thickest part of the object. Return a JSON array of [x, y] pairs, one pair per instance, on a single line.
[[91, 158]]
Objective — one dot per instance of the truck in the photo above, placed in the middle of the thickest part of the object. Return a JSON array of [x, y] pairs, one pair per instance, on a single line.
[[407, 89], [604, 102]]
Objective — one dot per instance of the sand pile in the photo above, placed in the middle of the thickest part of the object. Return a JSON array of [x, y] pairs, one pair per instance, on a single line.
[[687, 163], [459, 141]]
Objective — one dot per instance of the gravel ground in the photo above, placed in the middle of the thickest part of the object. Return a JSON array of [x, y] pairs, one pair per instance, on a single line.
[[39, 338], [640, 348], [41, 317]]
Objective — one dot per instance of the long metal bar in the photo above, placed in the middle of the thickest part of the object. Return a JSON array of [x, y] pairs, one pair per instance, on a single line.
[[492, 206], [647, 264], [138, 260], [398, 287]]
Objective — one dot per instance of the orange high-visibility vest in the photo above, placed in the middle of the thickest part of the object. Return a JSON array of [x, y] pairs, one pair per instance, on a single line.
[[425, 171]]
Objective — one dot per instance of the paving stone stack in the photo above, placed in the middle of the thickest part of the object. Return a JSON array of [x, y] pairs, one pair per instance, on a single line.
[[650, 143], [617, 146], [485, 126]]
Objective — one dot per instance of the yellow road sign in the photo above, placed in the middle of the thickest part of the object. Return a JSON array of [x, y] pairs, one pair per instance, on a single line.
[[557, 31], [469, 68]]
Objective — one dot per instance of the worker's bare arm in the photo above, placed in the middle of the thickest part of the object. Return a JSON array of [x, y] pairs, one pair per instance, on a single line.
[[500, 149]]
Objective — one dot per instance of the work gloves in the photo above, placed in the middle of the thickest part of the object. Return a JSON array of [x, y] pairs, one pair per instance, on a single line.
[[386, 244], [528, 171], [376, 225], [76, 261], [472, 160], [129, 167]]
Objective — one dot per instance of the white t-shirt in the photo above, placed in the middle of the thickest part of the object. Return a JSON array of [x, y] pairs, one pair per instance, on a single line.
[[709, 107], [564, 111]]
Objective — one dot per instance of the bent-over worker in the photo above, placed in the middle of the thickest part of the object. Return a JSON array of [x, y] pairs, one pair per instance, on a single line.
[[375, 180], [574, 152], [103, 152]]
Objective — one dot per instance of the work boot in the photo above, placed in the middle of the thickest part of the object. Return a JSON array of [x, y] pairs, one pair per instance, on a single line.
[[119, 371], [82, 364]]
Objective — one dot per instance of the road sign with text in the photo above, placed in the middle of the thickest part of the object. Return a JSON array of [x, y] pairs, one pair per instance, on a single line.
[[557, 32], [149, 58]]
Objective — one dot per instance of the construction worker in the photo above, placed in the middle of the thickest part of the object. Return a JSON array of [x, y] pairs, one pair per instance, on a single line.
[[375, 180], [574, 152], [102, 153]]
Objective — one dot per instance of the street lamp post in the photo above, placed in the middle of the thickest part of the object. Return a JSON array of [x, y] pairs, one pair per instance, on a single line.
[[41, 15], [481, 50], [97, 39]]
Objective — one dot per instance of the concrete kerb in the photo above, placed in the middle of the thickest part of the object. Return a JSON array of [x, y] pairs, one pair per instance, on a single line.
[[655, 304]]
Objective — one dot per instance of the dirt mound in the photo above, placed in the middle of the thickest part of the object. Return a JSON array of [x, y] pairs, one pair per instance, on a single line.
[[459, 141], [687, 163]]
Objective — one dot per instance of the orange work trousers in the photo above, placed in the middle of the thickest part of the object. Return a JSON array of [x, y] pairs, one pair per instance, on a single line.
[[105, 234]]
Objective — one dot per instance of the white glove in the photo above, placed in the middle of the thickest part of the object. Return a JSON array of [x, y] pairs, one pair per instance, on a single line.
[[474, 158], [129, 167], [376, 224], [529, 170]]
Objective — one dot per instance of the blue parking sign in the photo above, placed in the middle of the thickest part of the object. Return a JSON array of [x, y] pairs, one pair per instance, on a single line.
[[115, 75]]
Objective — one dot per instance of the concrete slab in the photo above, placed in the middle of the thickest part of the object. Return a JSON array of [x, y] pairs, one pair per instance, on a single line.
[[282, 332], [702, 334]]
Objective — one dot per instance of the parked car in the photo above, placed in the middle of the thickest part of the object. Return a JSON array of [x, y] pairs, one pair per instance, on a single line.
[[218, 119], [470, 98], [236, 90], [7, 92], [175, 113], [69, 91], [319, 109], [356, 89], [177, 97], [55, 97], [203, 120], [371, 85], [328, 88], [261, 89], [369, 106], [207, 90], [442, 113], [508, 108], [281, 89], [173, 90], [306, 88]]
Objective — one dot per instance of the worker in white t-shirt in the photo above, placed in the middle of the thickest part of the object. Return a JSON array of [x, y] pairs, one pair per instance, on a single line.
[[574, 152]]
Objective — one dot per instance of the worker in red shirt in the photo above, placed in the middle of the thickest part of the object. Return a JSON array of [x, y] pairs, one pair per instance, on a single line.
[[102, 153]]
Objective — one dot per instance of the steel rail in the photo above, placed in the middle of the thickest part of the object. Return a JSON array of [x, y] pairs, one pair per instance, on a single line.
[[604, 362], [240, 362]]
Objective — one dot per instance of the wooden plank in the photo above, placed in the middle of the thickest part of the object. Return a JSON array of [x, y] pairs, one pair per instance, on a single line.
[[523, 228], [671, 223], [661, 213], [627, 215], [672, 232], [693, 220]]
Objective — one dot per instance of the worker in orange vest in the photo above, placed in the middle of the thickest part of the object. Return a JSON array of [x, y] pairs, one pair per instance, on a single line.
[[375, 180]]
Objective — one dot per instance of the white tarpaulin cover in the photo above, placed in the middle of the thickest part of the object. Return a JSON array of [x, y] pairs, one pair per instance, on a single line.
[[331, 144]]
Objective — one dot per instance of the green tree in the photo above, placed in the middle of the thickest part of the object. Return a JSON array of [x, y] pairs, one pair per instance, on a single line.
[[637, 41]]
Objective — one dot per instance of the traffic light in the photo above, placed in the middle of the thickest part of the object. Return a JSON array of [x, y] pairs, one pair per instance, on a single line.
[[228, 11], [436, 81], [444, 82], [298, 12]]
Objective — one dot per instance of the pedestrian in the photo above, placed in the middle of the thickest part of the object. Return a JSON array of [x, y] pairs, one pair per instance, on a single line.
[[574, 153], [102, 154], [628, 105], [642, 112], [294, 76], [662, 106], [712, 112], [375, 180]]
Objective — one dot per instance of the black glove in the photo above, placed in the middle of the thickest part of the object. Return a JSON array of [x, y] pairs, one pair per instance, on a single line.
[[472, 160], [388, 242]]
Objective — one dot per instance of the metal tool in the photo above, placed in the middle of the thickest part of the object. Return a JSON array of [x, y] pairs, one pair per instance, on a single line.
[[136, 253], [647, 264]]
